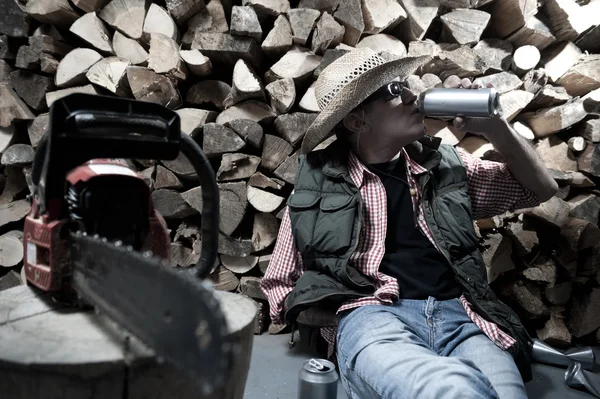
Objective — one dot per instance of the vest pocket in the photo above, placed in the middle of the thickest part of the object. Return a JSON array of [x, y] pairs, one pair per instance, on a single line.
[[335, 224]]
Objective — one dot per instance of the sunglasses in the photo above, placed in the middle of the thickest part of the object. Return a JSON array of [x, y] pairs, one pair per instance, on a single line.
[[387, 92]]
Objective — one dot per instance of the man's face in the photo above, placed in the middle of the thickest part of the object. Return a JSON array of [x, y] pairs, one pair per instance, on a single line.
[[393, 117]]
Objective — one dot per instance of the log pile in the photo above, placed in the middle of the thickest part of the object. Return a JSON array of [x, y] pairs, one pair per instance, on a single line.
[[240, 74]]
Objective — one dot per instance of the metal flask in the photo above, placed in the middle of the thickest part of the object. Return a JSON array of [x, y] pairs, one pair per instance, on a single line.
[[450, 103], [318, 380]]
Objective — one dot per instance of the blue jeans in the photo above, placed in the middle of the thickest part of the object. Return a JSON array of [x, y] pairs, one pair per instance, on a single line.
[[422, 349]]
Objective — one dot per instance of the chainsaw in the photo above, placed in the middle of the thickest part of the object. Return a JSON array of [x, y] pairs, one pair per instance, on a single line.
[[93, 236]]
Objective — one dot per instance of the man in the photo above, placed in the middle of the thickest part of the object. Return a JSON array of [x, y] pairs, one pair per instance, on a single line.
[[380, 230]]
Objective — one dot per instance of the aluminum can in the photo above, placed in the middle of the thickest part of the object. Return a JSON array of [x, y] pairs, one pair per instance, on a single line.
[[318, 379], [450, 103]]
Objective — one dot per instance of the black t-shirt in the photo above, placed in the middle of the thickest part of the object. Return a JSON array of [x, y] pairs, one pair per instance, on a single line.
[[421, 270]]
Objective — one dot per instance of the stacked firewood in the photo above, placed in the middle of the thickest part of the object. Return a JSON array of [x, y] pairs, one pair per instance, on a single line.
[[241, 76]]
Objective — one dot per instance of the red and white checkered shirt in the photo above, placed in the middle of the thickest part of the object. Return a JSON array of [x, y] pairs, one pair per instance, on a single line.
[[493, 191]]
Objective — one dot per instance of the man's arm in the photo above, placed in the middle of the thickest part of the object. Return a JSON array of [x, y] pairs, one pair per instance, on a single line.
[[284, 269]]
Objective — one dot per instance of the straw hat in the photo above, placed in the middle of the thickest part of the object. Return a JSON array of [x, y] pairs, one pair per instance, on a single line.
[[347, 82]]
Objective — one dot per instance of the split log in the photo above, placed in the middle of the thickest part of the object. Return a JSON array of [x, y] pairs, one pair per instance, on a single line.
[[261, 181], [279, 40], [526, 241], [234, 246], [244, 22], [529, 299], [48, 64], [448, 60], [302, 21], [12, 248], [442, 129], [58, 94], [245, 85], [496, 53], [586, 207], [239, 265], [164, 57], [382, 42], [171, 205], [567, 19], [263, 201], [5, 71], [262, 317], [476, 146], [14, 212], [577, 144], [10, 280], [147, 85], [91, 29], [525, 59], [322, 5], [12, 108], [159, 21], [559, 294], [329, 56], [57, 12], [547, 121], [225, 49], [263, 263], [589, 265], [574, 179], [590, 130], [213, 92], [497, 256], [181, 166], [210, 19], [549, 96], [197, 63], [166, 179], [584, 316], [590, 41], [49, 45], [111, 73], [48, 30], [17, 154], [254, 110], [288, 169], [224, 280], [580, 234], [591, 102], [249, 130], [72, 68], [192, 120], [420, 14], [463, 26], [15, 184], [513, 102], [543, 271], [37, 129], [555, 331], [126, 16], [308, 102], [14, 21], [328, 33], [298, 64], [148, 176], [555, 154], [559, 59], [8, 48], [250, 286], [510, 15], [182, 256], [129, 49], [264, 231], [90, 5], [218, 140], [535, 32], [553, 212], [27, 58], [582, 77], [282, 94], [503, 82], [268, 7], [32, 88], [349, 14], [275, 151], [237, 166], [183, 10], [382, 15], [292, 127]]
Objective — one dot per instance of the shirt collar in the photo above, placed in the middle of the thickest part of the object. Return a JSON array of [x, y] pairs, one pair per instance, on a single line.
[[358, 170]]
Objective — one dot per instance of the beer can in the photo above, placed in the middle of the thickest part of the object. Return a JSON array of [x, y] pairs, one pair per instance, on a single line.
[[450, 103], [318, 380]]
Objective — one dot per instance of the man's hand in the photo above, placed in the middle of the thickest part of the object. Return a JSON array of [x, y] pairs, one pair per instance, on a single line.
[[482, 126]]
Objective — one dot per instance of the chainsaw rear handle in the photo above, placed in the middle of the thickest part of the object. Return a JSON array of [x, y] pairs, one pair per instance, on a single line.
[[85, 126]]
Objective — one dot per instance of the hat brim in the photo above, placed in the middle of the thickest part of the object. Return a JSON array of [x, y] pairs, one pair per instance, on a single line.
[[355, 93]]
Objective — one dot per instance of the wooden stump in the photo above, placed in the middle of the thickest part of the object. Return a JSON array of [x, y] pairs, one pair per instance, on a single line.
[[51, 351]]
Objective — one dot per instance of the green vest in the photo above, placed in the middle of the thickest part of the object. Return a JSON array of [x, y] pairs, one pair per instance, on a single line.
[[326, 218]]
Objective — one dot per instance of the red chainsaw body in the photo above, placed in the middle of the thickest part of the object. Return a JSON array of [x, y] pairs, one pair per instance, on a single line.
[[46, 236]]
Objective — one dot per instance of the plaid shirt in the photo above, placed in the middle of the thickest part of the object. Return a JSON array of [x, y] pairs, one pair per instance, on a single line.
[[493, 191]]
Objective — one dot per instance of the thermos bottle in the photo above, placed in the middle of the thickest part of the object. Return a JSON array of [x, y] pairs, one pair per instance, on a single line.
[[317, 380], [450, 103]]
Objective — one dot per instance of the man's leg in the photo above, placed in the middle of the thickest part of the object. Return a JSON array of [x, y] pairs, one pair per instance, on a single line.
[[380, 356], [466, 341]]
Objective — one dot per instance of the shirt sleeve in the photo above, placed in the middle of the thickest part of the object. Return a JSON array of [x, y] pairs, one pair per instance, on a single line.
[[493, 189], [284, 269]]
